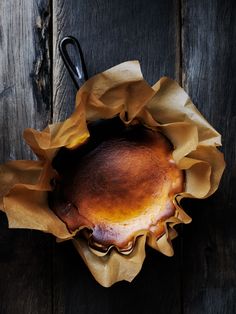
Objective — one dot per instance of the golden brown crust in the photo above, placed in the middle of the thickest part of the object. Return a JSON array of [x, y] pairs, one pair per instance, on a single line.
[[124, 185]]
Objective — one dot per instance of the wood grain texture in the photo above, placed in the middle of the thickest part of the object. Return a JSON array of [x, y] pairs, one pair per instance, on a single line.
[[111, 32], [25, 256], [36, 274], [209, 67], [24, 68]]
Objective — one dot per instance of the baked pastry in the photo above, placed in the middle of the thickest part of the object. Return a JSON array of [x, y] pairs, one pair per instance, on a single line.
[[121, 182]]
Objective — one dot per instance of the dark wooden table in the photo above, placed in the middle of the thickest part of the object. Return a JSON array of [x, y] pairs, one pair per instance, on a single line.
[[190, 41]]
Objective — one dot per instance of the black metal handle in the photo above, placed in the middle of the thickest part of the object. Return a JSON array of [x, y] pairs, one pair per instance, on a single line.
[[77, 71]]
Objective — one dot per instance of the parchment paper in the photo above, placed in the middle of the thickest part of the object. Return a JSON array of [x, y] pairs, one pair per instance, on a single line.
[[165, 107]]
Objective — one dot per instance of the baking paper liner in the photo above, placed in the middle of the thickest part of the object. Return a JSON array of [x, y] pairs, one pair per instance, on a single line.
[[122, 91]]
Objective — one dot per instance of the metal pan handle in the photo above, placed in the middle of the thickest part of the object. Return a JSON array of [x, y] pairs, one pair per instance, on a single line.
[[77, 71]]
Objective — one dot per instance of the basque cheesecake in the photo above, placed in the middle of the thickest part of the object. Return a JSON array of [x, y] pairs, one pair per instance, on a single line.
[[118, 184]]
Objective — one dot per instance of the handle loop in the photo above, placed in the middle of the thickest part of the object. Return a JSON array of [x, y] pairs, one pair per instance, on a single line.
[[77, 71]]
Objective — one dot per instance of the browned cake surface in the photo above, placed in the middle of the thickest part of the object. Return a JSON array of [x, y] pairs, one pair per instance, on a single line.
[[122, 186]]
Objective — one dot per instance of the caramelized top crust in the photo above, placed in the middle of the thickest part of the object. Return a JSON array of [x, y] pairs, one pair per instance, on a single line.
[[123, 185]]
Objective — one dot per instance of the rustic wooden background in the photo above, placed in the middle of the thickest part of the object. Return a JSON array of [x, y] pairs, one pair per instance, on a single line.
[[190, 41]]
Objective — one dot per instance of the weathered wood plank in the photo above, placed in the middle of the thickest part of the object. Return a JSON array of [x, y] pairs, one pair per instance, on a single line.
[[25, 256], [209, 66], [111, 32]]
